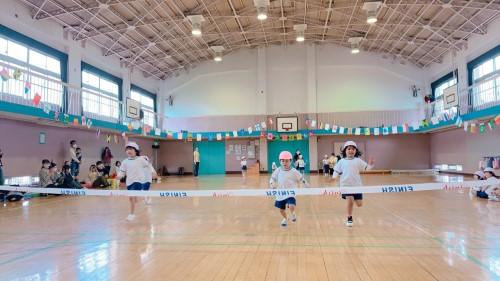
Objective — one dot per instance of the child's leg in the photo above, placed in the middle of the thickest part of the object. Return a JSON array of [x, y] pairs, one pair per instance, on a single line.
[[350, 205], [359, 203], [133, 200], [283, 213], [292, 208]]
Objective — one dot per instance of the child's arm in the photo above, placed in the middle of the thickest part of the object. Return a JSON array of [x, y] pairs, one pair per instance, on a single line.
[[371, 163]]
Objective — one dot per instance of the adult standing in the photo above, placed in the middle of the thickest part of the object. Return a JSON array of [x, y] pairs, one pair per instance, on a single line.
[[295, 158], [75, 162], [106, 160], [332, 161], [196, 158], [1, 168]]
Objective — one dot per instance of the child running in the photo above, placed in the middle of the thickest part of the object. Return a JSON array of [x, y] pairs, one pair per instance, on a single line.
[[133, 167], [243, 166], [149, 174], [286, 178], [349, 167]]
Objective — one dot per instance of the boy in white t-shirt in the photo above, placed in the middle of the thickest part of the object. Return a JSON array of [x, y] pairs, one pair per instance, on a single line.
[[243, 166], [133, 167], [286, 178], [301, 164], [326, 166]]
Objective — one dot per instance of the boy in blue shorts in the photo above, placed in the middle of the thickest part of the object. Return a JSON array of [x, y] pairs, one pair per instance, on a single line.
[[286, 179]]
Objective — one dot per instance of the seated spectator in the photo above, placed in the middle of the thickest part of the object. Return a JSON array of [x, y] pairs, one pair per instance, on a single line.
[[68, 181], [95, 179]]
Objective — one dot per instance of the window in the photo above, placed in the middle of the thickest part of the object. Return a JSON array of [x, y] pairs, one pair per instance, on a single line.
[[103, 93], [484, 76], [438, 87], [148, 104], [23, 53]]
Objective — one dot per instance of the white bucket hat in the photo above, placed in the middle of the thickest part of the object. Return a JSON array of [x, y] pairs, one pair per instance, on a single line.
[[489, 169], [132, 144], [348, 143], [479, 174]]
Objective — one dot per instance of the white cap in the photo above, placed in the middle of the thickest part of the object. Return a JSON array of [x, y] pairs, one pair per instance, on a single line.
[[242, 157], [479, 174], [132, 144], [348, 143], [145, 157], [489, 169], [326, 156]]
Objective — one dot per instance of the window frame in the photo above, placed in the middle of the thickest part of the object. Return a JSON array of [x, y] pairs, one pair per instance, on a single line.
[[106, 76], [45, 50], [147, 94]]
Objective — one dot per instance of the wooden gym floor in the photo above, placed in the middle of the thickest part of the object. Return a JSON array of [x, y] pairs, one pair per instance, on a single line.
[[428, 235]]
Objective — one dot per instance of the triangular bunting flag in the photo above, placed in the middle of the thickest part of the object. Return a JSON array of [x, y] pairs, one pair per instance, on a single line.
[[284, 137], [357, 131], [190, 137], [473, 128], [263, 125], [415, 126], [219, 136], [108, 138], [75, 122], [98, 133], [210, 137], [298, 136], [334, 128], [116, 138], [458, 123], [227, 136], [269, 136], [36, 99], [394, 129], [198, 137], [491, 125], [466, 124], [367, 131], [5, 74], [17, 74], [376, 131], [385, 130], [497, 119], [250, 130], [313, 123], [235, 133], [27, 87], [327, 127], [482, 128], [270, 121]]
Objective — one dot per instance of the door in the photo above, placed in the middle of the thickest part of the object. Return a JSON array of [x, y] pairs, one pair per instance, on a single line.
[[274, 149], [212, 157]]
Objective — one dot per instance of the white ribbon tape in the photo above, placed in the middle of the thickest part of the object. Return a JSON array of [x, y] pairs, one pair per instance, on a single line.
[[253, 192]]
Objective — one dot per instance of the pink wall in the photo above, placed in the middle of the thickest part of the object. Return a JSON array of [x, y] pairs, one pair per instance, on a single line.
[[460, 147], [174, 154], [23, 154], [405, 151]]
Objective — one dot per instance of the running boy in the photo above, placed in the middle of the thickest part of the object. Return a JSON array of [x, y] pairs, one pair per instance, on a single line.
[[133, 168], [349, 167], [286, 178]]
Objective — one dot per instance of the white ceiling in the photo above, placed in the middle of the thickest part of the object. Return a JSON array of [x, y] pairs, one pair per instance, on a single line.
[[155, 35]]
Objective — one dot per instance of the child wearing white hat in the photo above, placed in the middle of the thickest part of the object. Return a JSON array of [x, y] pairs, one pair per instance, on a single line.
[[133, 167], [349, 167]]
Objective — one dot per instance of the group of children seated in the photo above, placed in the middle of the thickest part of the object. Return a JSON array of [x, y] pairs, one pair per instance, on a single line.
[[491, 191], [98, 176]]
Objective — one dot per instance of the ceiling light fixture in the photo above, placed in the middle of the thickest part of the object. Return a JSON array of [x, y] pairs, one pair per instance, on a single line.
[[355, 44], [261, 6], [217, 52], [371, 9], [300, 28], [196, 21]]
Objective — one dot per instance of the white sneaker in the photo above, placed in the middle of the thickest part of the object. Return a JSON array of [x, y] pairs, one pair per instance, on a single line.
[[493, 198], [147, 200], [131, 218], [283, 222], [349, 222], [294, 217]]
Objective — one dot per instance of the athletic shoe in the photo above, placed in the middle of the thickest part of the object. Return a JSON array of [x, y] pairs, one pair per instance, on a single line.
[[349, 222], [294, 217], [493, 198], [283, 222], [147, 200], [131, 218]]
